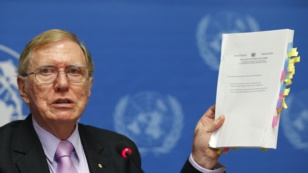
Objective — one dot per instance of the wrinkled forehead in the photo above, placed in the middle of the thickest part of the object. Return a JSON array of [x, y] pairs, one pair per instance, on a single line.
[[60, 54]]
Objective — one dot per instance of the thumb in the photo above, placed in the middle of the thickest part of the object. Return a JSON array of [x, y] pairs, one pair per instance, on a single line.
[[216, 124]]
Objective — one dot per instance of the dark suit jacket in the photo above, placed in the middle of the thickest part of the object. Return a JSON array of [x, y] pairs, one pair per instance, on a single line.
[[188, 168], [22, 152]]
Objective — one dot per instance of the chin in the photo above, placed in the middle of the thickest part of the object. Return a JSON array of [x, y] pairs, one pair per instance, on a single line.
[[66, 118]]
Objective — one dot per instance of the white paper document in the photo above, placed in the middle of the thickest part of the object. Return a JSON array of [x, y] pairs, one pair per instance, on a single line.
[[249, 87]]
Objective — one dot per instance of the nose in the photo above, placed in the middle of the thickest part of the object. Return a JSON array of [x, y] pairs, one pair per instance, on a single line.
[[61, 82]]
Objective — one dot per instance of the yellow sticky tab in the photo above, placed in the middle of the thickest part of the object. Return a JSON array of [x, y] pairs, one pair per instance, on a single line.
[[288, 81], [294, 49], [293, 52], [291, 67], [297, 59], [264, 149], [278, 111], [291, 75], [286, 92], [219, 151], [291, 70], [284, 104]]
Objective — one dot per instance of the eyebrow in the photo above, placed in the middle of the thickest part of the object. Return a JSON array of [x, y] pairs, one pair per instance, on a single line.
[[71, 65]]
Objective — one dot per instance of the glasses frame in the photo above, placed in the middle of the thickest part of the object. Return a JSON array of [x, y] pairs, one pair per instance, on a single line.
[[39, 68]]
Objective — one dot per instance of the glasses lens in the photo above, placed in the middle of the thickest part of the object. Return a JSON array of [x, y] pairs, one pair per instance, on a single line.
[[46, 74], [77, 74]]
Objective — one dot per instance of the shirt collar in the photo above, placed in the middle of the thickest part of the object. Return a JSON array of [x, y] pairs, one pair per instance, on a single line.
[[51, 142]]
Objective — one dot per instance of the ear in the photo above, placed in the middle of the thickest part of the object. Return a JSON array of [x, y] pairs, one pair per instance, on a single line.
[[21, 86], [90, 86]]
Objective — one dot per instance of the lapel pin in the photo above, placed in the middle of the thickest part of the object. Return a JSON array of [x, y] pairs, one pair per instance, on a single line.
[[100, 165]]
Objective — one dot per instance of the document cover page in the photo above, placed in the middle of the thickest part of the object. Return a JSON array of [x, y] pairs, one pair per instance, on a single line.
[[252, 80]]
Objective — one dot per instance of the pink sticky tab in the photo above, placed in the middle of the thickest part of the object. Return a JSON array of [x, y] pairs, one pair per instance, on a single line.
[[283, 74], [275, 120], [226, 150], [279, 103]]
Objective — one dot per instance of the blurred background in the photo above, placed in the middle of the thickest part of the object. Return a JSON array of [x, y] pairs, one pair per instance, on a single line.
[[156, 69]]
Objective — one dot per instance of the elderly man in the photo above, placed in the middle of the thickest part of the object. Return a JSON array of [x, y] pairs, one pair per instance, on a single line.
[[55, 79]]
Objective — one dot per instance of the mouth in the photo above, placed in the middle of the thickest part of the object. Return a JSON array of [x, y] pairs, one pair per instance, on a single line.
[[63, 101]]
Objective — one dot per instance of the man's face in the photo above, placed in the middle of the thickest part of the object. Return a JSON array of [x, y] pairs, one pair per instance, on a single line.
[[62, 101]]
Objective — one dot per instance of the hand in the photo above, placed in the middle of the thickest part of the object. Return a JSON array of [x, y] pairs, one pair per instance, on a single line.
[[203, 155]]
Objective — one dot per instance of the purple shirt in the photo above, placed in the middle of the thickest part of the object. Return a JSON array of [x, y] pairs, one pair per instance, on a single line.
[[218, 168], [51, 142]]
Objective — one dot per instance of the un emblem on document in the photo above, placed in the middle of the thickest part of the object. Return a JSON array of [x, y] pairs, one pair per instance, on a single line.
[[10, 102], [210, 29], [294, 120], [152, 120]]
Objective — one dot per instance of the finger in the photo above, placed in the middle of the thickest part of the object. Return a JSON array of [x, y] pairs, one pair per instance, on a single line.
[[198, 126], [218, 123], [215, 124], [210, 112]]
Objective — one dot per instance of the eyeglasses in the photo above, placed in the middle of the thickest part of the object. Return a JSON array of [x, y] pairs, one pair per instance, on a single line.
[[48, 74]]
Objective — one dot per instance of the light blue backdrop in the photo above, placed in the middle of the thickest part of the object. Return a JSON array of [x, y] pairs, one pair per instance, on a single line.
[[156, 70]]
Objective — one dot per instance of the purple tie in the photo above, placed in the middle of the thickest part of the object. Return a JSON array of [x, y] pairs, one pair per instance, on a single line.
[[63, 157]]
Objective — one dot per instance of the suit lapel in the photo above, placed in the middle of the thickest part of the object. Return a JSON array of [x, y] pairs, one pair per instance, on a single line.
[[96, 154], [28, 150]]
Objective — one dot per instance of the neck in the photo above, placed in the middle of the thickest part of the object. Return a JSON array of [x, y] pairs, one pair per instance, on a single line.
[[61, 130]]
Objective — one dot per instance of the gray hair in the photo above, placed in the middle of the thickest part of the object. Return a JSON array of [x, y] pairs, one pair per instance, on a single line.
[[47, 37]]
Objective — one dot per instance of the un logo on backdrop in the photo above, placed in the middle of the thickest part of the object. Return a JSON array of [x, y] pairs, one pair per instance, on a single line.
[[211, 28], [10, 102], [152, 120], [294, 120]]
